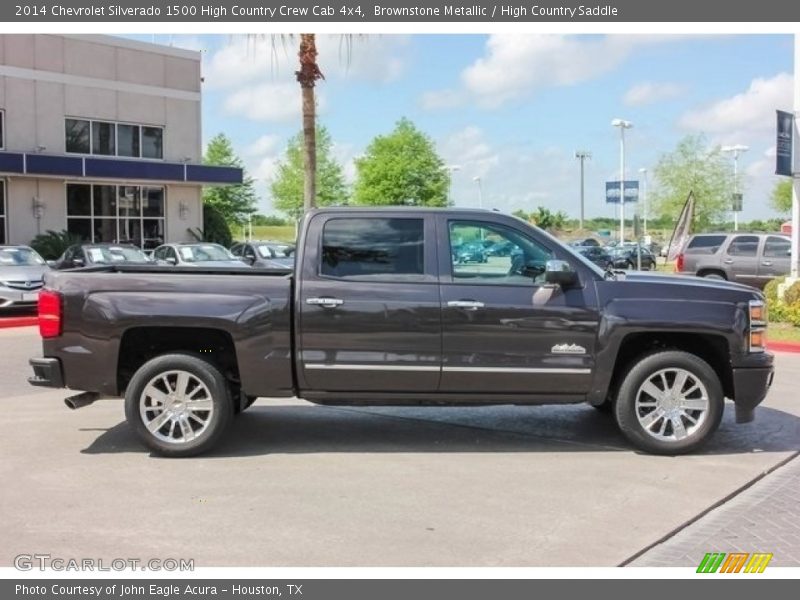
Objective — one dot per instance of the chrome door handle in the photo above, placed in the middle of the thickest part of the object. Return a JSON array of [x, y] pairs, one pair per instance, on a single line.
[[728, 261], [465, 304], [325, 302], [767, 263]]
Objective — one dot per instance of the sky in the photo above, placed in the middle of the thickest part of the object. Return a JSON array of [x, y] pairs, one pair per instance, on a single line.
[[508, 109]]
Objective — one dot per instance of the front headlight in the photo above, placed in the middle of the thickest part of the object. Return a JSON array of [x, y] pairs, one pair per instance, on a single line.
[[758, 325]]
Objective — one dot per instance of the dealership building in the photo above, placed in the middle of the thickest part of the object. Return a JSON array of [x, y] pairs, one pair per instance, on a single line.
[[101, 136]]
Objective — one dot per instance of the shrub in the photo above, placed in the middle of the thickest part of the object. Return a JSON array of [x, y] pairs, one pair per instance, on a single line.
[[792, 295], [52, 244], [215, 229]]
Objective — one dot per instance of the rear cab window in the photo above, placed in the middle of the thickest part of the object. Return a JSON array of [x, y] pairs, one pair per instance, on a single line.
[[705, 244]]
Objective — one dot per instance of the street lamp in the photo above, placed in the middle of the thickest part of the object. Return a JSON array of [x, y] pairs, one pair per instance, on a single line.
[[736, 150], [623, 125], [643, 171], [582, 155], [477, 179], [450, 170]]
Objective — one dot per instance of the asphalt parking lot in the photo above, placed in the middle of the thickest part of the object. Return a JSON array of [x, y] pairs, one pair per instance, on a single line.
[[295, 484]]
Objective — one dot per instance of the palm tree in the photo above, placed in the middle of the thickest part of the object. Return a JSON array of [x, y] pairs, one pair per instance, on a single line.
[[307, 76]]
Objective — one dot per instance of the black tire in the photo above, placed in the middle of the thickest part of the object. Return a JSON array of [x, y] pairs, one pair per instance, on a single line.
[[716, 275], [214, 392], [629, 266], [627, 414]]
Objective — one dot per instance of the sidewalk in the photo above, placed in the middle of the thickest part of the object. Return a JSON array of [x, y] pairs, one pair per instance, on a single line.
[[763, 518]]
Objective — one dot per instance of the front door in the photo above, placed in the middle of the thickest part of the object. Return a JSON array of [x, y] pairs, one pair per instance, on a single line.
[[503, 330], [368, 305]]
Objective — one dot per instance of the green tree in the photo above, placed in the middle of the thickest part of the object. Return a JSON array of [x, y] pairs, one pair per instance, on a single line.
[[546, 219], [694, 167], [289, 184], [781, 199], [232, 202], [215, 228], [401, 168]]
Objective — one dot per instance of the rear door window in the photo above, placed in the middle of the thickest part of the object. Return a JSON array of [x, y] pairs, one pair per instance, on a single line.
[[385, 248], [743, 245]]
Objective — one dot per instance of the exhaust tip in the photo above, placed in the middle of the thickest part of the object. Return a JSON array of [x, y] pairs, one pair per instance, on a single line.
[[81, 400]]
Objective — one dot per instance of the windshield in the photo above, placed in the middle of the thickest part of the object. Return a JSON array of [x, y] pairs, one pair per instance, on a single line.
[[19, 257], [204, 253], [116, 254], [274, 250]]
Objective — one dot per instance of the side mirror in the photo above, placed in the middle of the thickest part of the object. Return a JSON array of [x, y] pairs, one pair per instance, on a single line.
[[51, 263], [171, 260], [78, 262], [250, 260], [560, 272]]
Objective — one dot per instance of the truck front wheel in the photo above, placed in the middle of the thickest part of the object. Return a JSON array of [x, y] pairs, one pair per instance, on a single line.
[[669, 403], [178, 405]]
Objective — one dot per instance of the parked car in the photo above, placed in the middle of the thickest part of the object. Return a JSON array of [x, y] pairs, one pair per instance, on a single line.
[[471, 252], [586, 242], [750, 258], [86, 255], [597, 255], [265, 254], [377, 313], [21, 273], [500, 249], [628, 257], [197, 254]]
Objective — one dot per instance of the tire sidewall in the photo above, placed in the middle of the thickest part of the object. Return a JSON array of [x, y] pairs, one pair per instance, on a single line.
[[205, 372], [625, 406]]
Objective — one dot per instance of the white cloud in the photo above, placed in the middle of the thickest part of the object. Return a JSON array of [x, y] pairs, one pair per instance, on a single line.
[[745, 116], [650, 93], [516, 66], [440, 99], [275, 102], [469, 150], [266, 144], [258, 59]]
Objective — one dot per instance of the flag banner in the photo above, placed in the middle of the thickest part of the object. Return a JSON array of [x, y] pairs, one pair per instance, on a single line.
[[631, 191], [683, 229], [784, 143]]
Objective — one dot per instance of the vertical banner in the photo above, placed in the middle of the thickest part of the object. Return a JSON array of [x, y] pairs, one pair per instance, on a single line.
[[784, 143], [683, 229]]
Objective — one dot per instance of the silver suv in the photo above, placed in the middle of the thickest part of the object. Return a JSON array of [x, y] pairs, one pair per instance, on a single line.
[[749, 258]]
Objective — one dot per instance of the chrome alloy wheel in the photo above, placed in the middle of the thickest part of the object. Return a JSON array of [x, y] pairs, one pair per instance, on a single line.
[[672, 404], [176, 407]]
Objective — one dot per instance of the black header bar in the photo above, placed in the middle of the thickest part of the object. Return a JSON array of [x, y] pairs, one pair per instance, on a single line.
[[386, 11]]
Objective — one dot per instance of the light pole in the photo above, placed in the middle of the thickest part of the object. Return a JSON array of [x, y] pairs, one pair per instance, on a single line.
[[643, 171], [582, 155], [450, 170], [736, 150], [477, 179], [623, 125]]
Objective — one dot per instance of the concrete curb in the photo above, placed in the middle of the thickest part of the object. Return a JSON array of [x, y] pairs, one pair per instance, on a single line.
[[18, 322], [783, 346]]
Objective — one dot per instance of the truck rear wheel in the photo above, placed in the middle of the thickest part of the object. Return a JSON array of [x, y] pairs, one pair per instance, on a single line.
[[178, 405], [669, 403]]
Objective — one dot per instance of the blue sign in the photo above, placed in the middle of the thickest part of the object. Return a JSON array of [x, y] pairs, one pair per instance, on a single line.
[[631, 191], [783, 144]]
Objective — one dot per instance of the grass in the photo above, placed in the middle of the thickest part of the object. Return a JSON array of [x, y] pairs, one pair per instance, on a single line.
[[279, 233], [783, 332]]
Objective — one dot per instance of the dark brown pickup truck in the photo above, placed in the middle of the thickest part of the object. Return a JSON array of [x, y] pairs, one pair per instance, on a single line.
[[406, 306]]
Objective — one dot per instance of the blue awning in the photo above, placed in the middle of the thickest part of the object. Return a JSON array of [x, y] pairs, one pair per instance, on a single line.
[[57, 165]]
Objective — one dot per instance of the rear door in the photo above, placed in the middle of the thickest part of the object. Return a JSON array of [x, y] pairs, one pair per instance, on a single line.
[[775, 258], [368, 304], [741, 259], [503, 330]]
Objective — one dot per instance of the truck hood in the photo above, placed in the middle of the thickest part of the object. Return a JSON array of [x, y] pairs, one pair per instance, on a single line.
[[672, 287]]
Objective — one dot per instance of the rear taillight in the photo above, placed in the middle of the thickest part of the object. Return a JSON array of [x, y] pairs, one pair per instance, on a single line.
[[49, 314], [679, 263]]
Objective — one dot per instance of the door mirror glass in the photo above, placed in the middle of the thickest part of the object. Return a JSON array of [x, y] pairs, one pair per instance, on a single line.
[[560, 272]]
